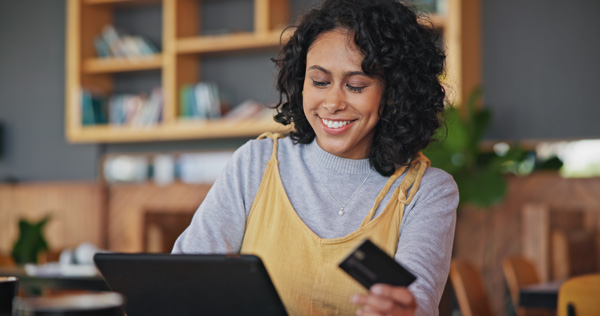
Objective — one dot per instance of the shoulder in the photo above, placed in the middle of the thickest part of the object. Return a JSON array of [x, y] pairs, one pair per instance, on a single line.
[[254, 148], [262, 145], [437, 183], [260, 150], [435, 177]]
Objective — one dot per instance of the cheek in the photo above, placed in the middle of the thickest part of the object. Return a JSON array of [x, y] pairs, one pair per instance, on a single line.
[[309, 100], [376, 106], [305, 94], [306, 106], [305, 84], [370, 105]]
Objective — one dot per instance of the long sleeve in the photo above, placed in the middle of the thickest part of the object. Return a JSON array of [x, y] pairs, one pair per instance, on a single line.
[[427, 236]]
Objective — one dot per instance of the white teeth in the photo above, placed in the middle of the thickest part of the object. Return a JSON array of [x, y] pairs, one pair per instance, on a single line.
[[335, 124]]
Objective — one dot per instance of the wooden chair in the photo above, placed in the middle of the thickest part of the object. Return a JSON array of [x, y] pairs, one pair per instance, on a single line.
[[579, 296], [574, 253], [539, 221], [519, 272], [469, 289], [162, 227]]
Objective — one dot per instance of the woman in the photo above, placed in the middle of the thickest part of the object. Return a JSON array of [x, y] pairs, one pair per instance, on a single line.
[[359, 81]]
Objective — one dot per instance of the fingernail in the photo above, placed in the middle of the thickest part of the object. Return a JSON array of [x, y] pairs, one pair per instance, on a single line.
[[354, 299], [377, 289]]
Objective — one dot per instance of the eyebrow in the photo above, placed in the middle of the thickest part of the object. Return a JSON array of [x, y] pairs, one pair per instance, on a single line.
[[346, 74]]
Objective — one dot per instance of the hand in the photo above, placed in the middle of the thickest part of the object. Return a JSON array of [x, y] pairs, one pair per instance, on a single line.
[[385, 300]]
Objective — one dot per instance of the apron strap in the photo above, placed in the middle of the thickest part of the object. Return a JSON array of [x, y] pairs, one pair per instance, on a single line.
[[275, 137], [410, 185], [411, 180]]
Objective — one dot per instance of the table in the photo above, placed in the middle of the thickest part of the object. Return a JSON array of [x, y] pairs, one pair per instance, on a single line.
[[33, 285], [543, 295]]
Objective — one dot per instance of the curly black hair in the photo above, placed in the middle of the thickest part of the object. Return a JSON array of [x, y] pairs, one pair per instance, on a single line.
[[398, 47]]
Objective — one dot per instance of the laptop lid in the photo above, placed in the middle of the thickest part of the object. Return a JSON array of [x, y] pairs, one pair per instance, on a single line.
[[215, 284]]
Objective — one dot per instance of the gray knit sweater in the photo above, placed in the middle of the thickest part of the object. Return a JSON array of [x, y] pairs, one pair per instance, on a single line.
[[427, 230]]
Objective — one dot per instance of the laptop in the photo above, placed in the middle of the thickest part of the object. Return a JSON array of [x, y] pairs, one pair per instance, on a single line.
[[215, 284]]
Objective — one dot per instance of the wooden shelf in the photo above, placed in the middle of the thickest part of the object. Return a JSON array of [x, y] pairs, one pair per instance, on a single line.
[[181, 60], [177, 64], [132, 2], [229, 43], [112, 65], [180, 130]]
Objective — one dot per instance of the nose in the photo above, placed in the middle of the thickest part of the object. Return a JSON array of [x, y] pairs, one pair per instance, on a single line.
[[334, 100]]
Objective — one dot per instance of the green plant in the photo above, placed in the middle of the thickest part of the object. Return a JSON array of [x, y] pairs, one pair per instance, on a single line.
[[31, 241], [478, 174]]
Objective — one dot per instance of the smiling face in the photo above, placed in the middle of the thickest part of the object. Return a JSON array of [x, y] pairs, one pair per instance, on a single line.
[[340, 101]]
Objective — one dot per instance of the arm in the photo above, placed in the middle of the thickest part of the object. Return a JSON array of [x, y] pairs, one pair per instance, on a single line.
[[427, 236], [219, 223], [425, 248]]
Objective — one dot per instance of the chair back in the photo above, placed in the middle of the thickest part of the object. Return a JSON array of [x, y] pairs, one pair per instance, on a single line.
[[469, 289], [518, 272], [579, 296], [574, 253], [162, 227]]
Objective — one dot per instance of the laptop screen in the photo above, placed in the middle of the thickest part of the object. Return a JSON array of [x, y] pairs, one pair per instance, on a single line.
[[215, 284]]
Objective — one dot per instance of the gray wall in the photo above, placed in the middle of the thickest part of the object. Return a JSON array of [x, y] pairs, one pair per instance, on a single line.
[[32, 96], [540, 68]]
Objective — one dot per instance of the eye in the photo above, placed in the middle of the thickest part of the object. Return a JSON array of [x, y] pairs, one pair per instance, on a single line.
[[320, 84], [355, 89]]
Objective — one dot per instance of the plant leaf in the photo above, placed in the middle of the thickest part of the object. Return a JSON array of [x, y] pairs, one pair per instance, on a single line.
[[482, 189], [457, 139]]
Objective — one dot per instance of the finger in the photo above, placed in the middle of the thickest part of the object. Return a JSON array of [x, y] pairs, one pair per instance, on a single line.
[[368, 308], [359, 299], [364, 312], [400, 295], [371, 305], [374, 303], [363, 301]]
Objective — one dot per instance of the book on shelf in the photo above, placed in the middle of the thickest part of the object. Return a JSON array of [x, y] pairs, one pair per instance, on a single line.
[[200, 101], [112, 43], [122, 109], [185, 108], [93, 109], [136, 109]]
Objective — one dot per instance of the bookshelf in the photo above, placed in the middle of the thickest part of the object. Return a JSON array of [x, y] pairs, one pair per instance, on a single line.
[[112, 65], [180, 59]]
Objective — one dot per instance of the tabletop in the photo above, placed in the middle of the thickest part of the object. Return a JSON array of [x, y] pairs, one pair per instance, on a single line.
[[35, 284], [542, 295]]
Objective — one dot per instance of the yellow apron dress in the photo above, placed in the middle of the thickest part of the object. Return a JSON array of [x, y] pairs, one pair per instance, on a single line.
[[303, 266]]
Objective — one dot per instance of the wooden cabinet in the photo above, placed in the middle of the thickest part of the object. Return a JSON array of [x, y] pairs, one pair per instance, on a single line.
[[180, 59], [178, 64]]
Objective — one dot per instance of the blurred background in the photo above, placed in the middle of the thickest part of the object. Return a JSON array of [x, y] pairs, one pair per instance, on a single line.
[[116, 115]]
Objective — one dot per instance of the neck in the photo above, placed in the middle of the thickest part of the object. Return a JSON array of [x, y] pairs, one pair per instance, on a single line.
[[336, 163]]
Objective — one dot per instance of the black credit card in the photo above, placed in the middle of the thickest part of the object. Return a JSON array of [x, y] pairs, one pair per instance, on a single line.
[[368, 264]]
